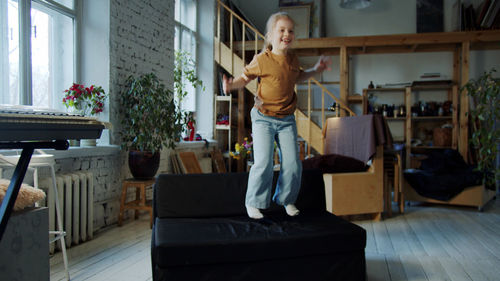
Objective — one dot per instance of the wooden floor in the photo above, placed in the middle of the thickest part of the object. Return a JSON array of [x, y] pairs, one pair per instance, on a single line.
[[428, 242]]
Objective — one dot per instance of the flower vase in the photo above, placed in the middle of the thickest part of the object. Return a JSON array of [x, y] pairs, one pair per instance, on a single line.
[[81, 109]]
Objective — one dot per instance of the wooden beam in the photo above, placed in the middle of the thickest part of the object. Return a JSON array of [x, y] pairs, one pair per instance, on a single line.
[[241, 124], [456, 65], [344, 75], [231, 47], [400, 39], [454, 138], [309, 122], [408, 134], [397, 43], [463, 142]]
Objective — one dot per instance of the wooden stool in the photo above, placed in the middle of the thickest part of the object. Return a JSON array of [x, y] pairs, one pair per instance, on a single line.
[[140, 202]]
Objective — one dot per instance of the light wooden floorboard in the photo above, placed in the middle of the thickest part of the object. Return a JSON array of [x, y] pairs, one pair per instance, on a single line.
[[428, 242], [435, 242]]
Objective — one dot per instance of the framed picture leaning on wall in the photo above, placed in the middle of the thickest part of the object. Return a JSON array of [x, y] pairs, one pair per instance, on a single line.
[[301, 15]]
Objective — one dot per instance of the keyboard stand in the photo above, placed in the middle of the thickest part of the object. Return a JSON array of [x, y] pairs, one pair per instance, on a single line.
[[20, 171]]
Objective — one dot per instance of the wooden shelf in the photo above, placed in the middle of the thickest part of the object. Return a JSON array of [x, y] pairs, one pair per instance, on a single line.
[[223, 98], [355, 99], [395, 43], [453, 119], [223, 105], [322, 82], [222, 127], [386, 90], [459, 44], [425, 147], [395, 118], [431, 87], [409, 127], [431, 118]]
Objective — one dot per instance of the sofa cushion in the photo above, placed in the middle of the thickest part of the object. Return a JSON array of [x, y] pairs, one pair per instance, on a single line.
[[334, 163], [222, 195], [190, 241]]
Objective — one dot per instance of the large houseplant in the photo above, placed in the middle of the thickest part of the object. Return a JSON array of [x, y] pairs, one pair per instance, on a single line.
[[485, 113], [149, 122]]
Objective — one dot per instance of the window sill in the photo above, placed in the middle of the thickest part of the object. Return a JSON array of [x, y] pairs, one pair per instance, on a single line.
[[195, 144], [101, 150], [75, 151]]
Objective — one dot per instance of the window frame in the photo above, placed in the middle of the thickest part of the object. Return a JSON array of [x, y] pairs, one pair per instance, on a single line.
[[194, 35], [25, 47]]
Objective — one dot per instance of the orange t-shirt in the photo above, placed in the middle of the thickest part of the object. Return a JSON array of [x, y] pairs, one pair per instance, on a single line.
[[278, 74]]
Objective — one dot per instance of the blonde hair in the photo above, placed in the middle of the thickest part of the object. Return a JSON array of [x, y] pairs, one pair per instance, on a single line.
[[271, 23]]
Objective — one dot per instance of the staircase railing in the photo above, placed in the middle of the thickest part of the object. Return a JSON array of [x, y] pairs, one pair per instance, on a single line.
[[309, 131], [324, 91], [254, 45]]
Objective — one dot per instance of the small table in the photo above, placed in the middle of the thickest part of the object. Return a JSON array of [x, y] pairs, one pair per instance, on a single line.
[[140, 202]]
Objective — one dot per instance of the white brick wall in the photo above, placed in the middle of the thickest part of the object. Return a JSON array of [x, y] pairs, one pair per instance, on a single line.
[[141, 41]]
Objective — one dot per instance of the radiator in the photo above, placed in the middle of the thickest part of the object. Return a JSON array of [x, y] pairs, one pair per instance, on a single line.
[[76, 197]]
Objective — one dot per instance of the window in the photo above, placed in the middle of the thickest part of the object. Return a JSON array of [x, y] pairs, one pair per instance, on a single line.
[[37, 51], [186, 40]]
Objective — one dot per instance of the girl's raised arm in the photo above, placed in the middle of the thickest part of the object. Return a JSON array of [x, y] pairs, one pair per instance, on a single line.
[[229, 84], [320, 66]]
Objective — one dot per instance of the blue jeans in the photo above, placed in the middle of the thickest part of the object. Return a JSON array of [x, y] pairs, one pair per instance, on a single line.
[[266, 130]]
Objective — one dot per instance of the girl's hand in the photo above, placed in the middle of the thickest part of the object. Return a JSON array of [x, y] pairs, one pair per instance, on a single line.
[[226, 84], [323, 64]]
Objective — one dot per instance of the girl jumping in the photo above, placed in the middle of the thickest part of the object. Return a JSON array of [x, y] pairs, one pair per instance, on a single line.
[[273, 116]]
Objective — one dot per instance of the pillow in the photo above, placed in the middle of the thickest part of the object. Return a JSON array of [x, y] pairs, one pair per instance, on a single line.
[[26, 197], [334, 163]]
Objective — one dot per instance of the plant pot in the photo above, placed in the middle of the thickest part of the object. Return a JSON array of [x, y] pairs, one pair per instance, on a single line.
[[74, 143], [88, 142], [143, 164]]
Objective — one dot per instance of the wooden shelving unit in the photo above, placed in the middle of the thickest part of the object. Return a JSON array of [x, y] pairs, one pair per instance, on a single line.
[[223, 106], [408, 98], [459, 43], [412, 121], [382, 91]]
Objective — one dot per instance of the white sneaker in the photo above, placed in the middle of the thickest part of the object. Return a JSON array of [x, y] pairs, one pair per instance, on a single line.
[[291, 210], [254, 213]]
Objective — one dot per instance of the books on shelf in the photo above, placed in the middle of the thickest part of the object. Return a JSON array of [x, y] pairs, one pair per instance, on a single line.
[[485, 16], [491, 13], [432, 83], [433, 76], [395, 85]]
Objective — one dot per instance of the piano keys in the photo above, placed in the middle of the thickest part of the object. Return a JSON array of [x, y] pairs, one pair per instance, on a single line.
[[27, 124]]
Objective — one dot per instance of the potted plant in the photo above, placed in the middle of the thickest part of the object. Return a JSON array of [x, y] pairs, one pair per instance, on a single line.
[[484, 113], [149, 123], [86, 101]]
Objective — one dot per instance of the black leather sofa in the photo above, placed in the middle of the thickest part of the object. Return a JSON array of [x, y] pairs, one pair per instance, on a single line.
[[201, 232]]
